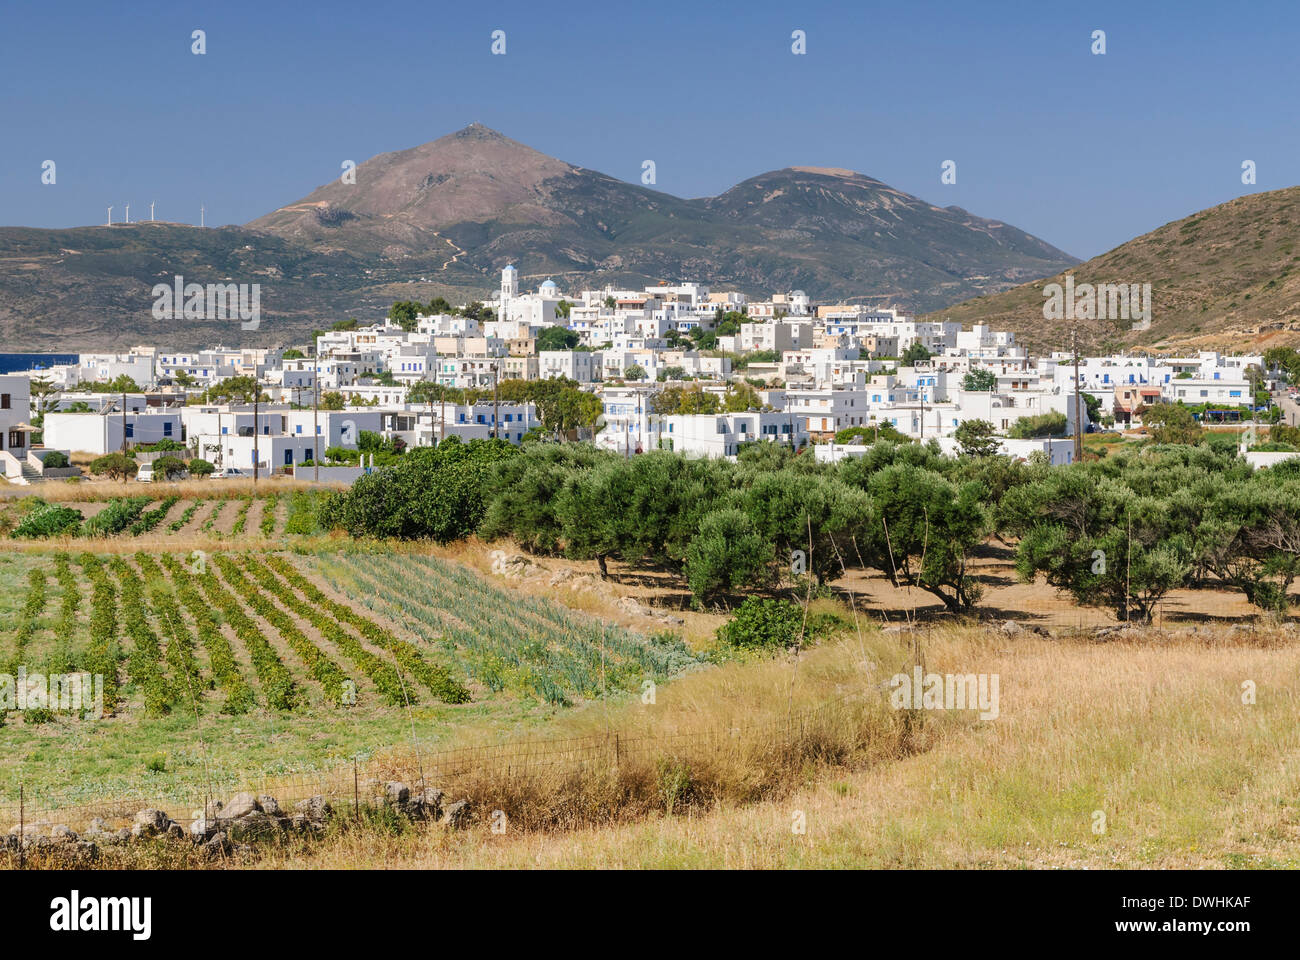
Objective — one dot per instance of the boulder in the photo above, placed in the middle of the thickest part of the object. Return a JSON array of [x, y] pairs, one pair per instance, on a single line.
[[255, 826], [456, 815], [150, 823], [428, 803], [61, 831], [218, 845], [98, 826], [396, 792], [240, 805], [315, 808], [269, 805]]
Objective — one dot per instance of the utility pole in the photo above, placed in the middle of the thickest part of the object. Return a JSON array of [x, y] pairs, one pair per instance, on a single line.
[[495, 427], [257, 395], [315, 417], [1078, 421], [124, 418]]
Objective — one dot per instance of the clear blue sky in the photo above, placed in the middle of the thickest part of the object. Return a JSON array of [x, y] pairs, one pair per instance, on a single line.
[[1085, 151]]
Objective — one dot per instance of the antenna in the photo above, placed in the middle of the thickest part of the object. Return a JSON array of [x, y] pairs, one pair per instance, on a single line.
[[110, 216], [151, 203]]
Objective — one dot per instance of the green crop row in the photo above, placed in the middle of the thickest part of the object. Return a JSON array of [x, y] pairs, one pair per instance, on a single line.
[[434, 676], [186, 676], [325, 671], [102, 652], [146, 652], [268, 514], [152, 518], [48, 520], [241, 518], [29, 616], [239, 695], [186, 517], [380, 673], [120, 513]]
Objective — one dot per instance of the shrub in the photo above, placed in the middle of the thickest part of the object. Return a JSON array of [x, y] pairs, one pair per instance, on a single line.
[[760, 623], [48, 520], [55, 460], [168, 468], [200, 468], [116, 466]]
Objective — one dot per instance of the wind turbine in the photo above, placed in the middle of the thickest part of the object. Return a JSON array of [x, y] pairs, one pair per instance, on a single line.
[[110, 216], [202, 212], [128, 213], [151, 203]]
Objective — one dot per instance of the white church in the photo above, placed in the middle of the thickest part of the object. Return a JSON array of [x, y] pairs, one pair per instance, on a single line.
[[521, 315]]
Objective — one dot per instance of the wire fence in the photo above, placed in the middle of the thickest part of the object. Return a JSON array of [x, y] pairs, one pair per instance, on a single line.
[[500, 766]]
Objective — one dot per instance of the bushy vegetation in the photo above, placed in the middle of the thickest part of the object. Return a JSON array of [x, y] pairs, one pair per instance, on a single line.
[[1119, 533], [435, 493], [47, 520], [116, 517]]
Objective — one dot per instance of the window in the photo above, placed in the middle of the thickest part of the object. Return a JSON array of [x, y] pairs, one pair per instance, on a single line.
[[4, 401], [130, 430], [167, 428]]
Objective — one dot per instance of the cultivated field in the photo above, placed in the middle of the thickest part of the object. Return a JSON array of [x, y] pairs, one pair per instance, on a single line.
[[243, 646]]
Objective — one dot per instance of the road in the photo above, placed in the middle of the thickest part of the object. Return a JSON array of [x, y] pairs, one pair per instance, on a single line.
[[1290, 409]]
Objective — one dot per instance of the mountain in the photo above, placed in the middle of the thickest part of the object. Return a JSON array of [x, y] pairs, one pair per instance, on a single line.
[[444, 217], [1226, 278]]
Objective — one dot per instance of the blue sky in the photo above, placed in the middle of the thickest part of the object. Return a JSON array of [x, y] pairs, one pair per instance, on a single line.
[[1085, 151]]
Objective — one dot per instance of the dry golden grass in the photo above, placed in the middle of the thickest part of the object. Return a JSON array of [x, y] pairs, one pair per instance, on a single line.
[[1152, 734]]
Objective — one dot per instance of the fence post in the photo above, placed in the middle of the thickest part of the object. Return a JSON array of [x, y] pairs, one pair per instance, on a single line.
[[22, 833], [356, 793]]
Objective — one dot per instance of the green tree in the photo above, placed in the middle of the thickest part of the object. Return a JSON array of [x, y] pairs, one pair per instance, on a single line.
[[916, 353], [1092, 534], [201, 468], [168, 468], [923, 530], [405, 313], [980, 379], [725, 555], [977, 438], [116, 466], [556, 338], [1172, 423]]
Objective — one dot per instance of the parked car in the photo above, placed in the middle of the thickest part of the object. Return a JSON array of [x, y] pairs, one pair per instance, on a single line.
[[145, 473], [231, 473]]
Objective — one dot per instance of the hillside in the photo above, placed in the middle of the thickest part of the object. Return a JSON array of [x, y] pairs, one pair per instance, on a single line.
[[1225, 278], [444, 217]]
